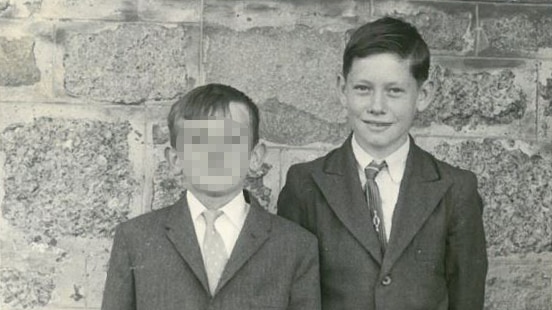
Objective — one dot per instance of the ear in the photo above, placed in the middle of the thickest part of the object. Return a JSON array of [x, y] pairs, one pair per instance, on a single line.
[[425, 96], [257, 157], [172, 158], [341, 86]]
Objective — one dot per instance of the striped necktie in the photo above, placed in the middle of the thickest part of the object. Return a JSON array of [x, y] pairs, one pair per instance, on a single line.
[[374, 200]]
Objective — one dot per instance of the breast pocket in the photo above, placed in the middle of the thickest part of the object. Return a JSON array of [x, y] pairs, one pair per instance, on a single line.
[[426, 255], [430, 260]]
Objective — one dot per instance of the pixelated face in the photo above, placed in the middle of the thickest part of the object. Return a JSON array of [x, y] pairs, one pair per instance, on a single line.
[[214, 152], [381, 97]]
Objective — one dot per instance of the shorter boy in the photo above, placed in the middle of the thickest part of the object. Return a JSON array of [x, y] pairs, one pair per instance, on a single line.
[[215, 248]]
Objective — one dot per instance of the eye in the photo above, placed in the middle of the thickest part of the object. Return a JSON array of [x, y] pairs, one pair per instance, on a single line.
[[362, 88], [395, 91]]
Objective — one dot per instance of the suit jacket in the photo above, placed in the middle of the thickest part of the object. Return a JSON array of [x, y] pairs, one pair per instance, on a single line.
[[436, 255], [156, 264]]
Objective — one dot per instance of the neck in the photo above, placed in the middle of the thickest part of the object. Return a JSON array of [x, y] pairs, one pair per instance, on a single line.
[[381, 154], [214, 201]]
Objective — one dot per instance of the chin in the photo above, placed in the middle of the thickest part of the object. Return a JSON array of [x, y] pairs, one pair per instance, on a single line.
[[218, 190]]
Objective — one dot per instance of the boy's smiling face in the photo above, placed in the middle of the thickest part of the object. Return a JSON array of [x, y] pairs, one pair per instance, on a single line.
[[214, 153], [382, 97]]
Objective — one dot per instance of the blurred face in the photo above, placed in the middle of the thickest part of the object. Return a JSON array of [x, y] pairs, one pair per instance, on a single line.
[[382, 97], [214, 153]]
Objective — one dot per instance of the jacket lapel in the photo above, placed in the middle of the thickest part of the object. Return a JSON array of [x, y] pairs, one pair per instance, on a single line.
[[421, 190], [180, 231], [256, 230], [340, 185]]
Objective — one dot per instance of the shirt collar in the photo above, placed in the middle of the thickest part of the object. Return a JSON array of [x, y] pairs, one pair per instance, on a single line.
[[396, 161], [236, 209]]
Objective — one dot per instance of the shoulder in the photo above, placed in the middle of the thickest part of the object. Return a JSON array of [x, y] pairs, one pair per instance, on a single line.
[[455, 173], [303, 169], [459, 177], [290, 231], [145, 223], [308, 166]]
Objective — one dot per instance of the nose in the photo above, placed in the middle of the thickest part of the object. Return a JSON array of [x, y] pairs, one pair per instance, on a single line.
[[377, 104], [216, 159]]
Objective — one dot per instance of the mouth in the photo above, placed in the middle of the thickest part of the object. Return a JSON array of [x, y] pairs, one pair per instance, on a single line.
[[377, 124]]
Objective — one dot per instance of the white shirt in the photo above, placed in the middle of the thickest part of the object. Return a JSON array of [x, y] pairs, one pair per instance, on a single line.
[[228, 225], [388, 179]]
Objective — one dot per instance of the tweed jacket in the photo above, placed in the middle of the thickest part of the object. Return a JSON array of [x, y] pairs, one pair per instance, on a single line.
[[436, 254], [156, 264]]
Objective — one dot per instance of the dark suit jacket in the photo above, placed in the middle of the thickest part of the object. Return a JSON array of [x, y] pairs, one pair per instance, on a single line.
[[436, 256], [156, 264]]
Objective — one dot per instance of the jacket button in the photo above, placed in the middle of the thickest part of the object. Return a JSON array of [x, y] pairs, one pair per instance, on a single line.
[[386, 281]]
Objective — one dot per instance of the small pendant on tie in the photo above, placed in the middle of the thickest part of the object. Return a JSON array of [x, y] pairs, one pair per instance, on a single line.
[[376, 220]]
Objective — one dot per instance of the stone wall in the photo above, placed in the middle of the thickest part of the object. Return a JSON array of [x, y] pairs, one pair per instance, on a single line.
[[85, 87]]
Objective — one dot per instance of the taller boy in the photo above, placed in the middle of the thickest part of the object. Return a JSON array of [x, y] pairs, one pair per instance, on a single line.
[[397, 228]]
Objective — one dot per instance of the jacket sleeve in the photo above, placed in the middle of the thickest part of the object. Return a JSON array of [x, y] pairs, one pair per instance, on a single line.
[[305, 290], [119, 286], [466, 259]]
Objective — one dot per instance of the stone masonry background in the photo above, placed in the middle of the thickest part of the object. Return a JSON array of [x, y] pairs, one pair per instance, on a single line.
[[85, 86]]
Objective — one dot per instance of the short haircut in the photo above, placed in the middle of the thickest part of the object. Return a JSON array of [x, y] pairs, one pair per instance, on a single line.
[[389, 35], [207, 100]]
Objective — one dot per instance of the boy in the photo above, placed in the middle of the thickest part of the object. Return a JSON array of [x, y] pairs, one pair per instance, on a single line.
[[216, 248], [397, 228]]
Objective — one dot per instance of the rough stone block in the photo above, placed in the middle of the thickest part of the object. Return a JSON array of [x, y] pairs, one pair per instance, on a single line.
[[131, 63], [26, 53], [26, 281], [481, 97], [23, 288], [295, 66], [517, 286], [545, 101], [17, 62], [66, 178], [89, 9], [168, 186], [446, 27], [19, 8], [285, 124], [170, 10], [61, 281], [319, 14], [514, 181], [514, 30]]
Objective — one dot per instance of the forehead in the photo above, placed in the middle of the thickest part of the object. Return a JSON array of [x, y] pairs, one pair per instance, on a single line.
[[212, 126], [234, 121], [382, 66]]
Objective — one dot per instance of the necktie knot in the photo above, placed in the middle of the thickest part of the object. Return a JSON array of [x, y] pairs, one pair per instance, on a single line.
[[373, 169], [210, 217]]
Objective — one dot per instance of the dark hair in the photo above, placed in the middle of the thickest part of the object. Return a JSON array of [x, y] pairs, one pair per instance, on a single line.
[[204, 101], [389, 35]]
